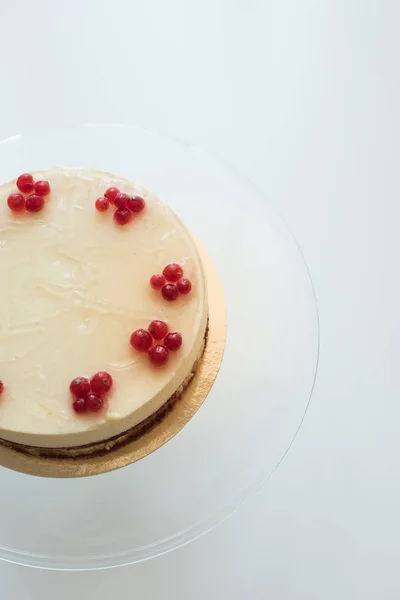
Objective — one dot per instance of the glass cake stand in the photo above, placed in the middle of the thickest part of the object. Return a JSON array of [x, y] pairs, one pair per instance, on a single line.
[[256, 406]]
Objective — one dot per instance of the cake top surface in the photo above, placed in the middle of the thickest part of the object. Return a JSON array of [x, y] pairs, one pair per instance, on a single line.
[[74, 286]]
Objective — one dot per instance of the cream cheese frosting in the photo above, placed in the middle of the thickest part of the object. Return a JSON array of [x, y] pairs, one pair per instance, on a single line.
[[74, 286]]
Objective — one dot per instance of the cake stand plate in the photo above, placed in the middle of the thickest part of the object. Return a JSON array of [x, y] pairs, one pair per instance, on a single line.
[[255, 408]]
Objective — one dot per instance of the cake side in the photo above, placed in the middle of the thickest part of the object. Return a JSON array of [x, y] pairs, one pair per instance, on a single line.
[[104, 447]]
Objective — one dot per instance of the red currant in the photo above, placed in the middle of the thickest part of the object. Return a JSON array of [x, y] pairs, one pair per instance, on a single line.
[[93, 402], [79, 387], [136, 204], [141, 340], [173, 341], [157, 282], [173, 272], [16, 202], [25, 183], [34, 203], [158, 356], [121, 200], [184, 286], [102, 204], [42, 188], [170, 292], [111, 193], [79, 405], [1, 387], [122, 216], [158, 329], [101, 383]]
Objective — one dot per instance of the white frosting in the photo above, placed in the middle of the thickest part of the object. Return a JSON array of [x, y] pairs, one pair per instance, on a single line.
[[74, 285]]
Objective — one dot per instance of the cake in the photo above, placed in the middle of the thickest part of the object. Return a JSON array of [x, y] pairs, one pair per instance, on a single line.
[[87, 263]]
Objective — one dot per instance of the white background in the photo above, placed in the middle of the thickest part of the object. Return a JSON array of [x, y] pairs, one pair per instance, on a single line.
[[303, 97]]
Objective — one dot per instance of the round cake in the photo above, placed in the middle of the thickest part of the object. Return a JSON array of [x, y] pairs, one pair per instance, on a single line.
[[78, 294]]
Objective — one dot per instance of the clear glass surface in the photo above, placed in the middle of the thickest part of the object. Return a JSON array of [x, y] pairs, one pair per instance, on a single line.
[[250, 418]]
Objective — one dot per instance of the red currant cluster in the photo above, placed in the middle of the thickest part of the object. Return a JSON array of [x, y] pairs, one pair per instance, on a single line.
[[35, 192], [126, 206], [171, 282], [89, 394], [143, 340]]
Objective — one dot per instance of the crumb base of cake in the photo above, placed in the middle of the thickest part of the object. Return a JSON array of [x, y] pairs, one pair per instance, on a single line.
[[104, 447]]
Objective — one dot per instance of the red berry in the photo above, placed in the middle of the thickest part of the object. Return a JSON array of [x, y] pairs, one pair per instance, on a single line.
[[121, 200], [157, 281], [34, 203], [102, 204], [173, 341], [111, 193], [173, 272], [93, 402], [79, 405], [184, 286], [101, 383], [25, 183], [16, 202], [158, 329], [136, 204], [141, 340], [170, 292], [79, 387], [1, 387], [158, 356], [122, 216], [42, 188]]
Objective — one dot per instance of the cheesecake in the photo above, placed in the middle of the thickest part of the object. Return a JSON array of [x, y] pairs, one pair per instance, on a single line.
[[99, 279]]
